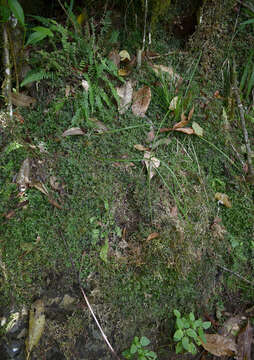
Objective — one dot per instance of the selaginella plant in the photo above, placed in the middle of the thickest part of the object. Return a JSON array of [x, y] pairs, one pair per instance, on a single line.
[[188, 332]]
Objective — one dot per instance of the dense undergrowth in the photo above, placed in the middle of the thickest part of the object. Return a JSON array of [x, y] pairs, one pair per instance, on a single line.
[[107, 196]]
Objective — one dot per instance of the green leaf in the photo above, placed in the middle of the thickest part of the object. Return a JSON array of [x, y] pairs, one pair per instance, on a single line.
[[177, 313], [191, 333], [32, 76], [126, 354], [206, 325], [201, 335], [144, 341], [186, 323], [104, 251], [251, 21], [5, 13], [197, 323], [133, 349], [17, 10], [152, 354], [39, 34], [185, 343], [178, 335], [191, 316], [179, 348], [179, 323], [192, 349]]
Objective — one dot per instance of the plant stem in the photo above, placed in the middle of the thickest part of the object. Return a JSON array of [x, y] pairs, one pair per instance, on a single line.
[[7, 81], [244, 129]]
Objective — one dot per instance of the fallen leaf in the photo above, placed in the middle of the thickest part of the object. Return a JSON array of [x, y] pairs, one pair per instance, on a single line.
[[125, 93], [152, 163], [40, 186], [197, 129], [169, 70], [223, 199], [54, 203], [114, 57], [173, 103], [99, 126], [85, 85], [188, 131], [219, 345], [20, 99], [217, 228], [142, 101], [184, 121], [19, 117], [124, 55], [23, 177], [191, 113], [36, 326], [152, 236], [54, 183], [244, 341], [123, 72], [73, 131], [140, 147]]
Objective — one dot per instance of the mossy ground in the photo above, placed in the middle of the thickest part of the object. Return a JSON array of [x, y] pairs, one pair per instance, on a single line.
[[107, 195]]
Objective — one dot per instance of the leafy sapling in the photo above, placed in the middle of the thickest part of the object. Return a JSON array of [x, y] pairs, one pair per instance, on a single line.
[[137, 350], [188, 332]]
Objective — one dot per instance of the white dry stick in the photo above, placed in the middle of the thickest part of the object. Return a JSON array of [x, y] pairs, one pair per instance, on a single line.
[[7, 81]]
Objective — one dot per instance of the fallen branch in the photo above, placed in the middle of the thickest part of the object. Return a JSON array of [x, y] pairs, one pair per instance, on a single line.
[[236, 274]]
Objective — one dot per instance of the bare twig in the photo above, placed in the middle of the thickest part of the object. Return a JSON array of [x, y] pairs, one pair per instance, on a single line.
[[244, 129], [236, 274]]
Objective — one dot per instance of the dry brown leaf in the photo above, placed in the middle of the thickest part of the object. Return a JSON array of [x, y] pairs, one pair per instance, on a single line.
[[99, 126], [217, 228], [174, 212], [114, 57], [191, 113], [36, 326], [140, 147], [184, 121], [188, 131], [67, 90], [20, 99], [19, 117], [152, 236], [223, 199], [23, 177], [152, 163], [244, 341], [219, 345], [125, 93], [142, 101], [73, 131], [169, 70], [54, 203]]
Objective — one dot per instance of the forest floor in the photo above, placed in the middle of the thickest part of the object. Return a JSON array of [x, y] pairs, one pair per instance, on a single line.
[[145, 217]]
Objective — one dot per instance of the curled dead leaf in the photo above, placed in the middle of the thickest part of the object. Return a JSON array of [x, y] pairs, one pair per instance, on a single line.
[[152, 236], [188, 131], [124, 55], [141, 101], [99, 126], [151, 163], [223, 199], [166, 69], [140, 147], [73, 131], [197, 129], [173, 103]]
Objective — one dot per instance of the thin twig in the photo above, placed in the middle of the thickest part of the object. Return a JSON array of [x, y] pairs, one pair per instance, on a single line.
[[86, 299], [236, 274], [244, 129]]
